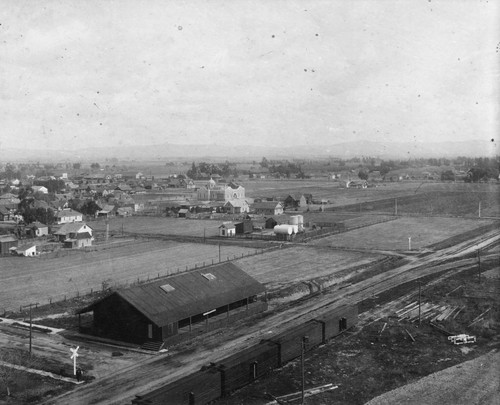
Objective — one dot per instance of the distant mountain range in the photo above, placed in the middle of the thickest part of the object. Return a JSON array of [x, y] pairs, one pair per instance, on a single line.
[[165, 151]]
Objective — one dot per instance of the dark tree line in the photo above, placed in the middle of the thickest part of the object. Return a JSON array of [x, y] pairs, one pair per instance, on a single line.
[[203, 169]]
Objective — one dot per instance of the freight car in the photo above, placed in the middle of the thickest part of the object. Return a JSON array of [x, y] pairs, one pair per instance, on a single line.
[[289, 342], [246, 366], [200, 387], [338, 320]]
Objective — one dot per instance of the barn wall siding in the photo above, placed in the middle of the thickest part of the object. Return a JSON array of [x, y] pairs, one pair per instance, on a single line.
[[116, 318]]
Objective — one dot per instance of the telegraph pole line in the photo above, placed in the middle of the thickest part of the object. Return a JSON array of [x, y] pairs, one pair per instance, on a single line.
[[31, 323]]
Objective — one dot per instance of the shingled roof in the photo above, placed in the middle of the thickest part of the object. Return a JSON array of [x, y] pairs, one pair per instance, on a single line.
[[188, 294]]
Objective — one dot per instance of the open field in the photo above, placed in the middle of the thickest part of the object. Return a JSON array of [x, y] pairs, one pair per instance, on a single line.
[[431, 198], [330, 190], [393, 235], [289, 266], [159, 226], [39, 279]]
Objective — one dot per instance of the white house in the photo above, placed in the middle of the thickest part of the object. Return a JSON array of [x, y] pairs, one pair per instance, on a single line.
[[75, 235], [38, 229], [237, 206], [67, 216], [40, 189]]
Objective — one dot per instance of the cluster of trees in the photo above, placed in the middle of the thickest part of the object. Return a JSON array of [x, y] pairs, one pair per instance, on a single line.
[[283, 168], [203, 169]]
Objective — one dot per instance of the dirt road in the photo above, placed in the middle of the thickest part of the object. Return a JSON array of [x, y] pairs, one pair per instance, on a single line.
[[157, 371]]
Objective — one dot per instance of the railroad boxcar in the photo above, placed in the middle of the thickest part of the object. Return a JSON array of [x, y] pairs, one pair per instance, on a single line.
[[337, 320], [289, 342], [246, 366], [198, 388]]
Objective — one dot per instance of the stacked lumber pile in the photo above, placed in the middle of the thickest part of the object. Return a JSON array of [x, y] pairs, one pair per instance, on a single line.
[[428, 311]]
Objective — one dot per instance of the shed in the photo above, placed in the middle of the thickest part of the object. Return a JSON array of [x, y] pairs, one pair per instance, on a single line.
[[183, 213], [243, 227], [271, 223], [227, 229], [26, 250], [172, 305], [6, 243], [5, 213]]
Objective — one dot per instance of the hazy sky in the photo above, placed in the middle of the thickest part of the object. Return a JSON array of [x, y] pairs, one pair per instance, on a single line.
[[102, 73]]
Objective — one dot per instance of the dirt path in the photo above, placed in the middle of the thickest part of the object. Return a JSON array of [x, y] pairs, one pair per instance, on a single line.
[[472, 382]]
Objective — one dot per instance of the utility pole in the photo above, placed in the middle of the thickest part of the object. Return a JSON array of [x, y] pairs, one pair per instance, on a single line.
[[31, 324], [219, 252], [395, 206], [419, 303], [479, 209], [305, 339], [479, 264]]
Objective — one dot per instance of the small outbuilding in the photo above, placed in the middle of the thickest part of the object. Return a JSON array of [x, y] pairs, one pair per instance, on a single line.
[[227, 229], [26, 250], [6, 243], [243, 227], [183, 213]]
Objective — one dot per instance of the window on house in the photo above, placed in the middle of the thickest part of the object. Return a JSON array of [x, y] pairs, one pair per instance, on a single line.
[[209, 276]]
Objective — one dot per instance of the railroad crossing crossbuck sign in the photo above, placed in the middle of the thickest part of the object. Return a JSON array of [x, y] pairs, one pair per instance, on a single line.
[[74, 356]]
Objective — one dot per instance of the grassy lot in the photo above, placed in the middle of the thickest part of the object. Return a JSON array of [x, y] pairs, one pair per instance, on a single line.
[[393, 235], [289, 266], [159, 226], [42, 279]]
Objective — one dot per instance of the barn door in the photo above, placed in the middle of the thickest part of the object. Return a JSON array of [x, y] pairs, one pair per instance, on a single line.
[[342, 324]]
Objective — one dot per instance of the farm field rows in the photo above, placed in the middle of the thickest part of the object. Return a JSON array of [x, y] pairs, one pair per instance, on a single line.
[[289, 266], [393, 235], [40, 279]]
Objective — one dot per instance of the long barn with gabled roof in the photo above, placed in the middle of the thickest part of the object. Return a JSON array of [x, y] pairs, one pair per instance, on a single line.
[[177, 307]]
